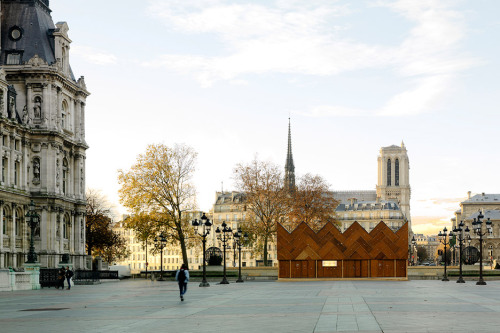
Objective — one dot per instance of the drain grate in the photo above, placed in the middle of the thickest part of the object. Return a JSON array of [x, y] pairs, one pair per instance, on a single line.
[[46, 309]]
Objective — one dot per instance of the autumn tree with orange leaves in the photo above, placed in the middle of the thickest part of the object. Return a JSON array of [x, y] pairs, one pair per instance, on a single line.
[[158, 190]]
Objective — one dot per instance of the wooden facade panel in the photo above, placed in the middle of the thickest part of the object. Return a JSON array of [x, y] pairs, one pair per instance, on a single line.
[[401, 268], [380, 253], [329, 272], [284, 269], [356, 268]]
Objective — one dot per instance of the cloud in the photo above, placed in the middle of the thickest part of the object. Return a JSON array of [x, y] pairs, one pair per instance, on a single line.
[[93, 55], [429, 225], [293, 38]]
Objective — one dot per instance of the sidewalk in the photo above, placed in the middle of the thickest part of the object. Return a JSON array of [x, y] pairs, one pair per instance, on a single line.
[[323, 306]]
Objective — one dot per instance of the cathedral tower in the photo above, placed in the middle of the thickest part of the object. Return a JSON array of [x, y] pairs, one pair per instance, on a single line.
[[394, 177], [289, 167]]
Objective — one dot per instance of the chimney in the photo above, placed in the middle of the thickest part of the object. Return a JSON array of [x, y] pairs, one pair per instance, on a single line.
[[468, 194], [482, 194]]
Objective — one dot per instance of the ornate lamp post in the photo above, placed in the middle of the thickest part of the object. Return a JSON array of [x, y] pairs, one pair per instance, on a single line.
[[224, 235], [33, 220], [161, 243], [477, 225], [411, 246], [461, 238], [238, 242], [205, 231], [445, 240]]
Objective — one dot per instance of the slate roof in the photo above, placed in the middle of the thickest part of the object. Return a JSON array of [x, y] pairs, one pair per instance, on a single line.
[[344, 196], [493, 214], [484, 198], [368, 206], [33, 17]]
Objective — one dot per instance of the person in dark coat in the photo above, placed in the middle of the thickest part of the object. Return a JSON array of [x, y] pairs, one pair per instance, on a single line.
[[182, 278], [69, 275], [61, 276]]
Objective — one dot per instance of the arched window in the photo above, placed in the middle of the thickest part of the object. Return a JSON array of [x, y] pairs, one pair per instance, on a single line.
[[389, 172], [65, 176], [18, 222], [396, 172], [64, 112]]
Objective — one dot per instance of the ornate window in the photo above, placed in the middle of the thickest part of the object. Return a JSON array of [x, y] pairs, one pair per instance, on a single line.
[[389, 172], [16, 173], [396, 172], [18, 219], [66, 227], [64, 109]]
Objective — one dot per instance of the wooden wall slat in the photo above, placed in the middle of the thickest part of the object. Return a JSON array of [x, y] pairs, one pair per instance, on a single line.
[[381, 246]]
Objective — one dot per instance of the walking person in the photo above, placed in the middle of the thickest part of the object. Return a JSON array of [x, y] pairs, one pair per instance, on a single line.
[[182, 278], [69, 275], [61, 276]]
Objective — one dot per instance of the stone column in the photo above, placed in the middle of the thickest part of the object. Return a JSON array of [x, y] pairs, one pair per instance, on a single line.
[[46, 114], [82, 121], [2, 259], [58, 108], [29, 101], [44, 230], [71, 239], [13, 235], [77, 113]]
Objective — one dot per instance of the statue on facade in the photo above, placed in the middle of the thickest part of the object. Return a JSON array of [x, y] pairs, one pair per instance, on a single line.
[[37, 108], [26, 117], [57, 173], [2, 104], [12, 107], [36, 171]]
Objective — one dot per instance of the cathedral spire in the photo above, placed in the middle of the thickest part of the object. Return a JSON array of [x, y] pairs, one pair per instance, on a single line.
[[289, 167]]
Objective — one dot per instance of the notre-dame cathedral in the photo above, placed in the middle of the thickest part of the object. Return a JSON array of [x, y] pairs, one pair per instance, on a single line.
[[42, 137]]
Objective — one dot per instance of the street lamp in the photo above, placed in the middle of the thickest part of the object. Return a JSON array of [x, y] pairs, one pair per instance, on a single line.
[[161, 243], [238, 242], [206, 224], [445, 240], [412, 247], [477, 225], [33, 220], [461, 238], [224, 235]]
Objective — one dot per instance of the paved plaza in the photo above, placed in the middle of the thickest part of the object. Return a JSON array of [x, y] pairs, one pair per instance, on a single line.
[[316, 306]]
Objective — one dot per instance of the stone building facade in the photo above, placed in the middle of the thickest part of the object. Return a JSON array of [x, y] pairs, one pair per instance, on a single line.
[[489, 205], [390, 202], [42, 137], [230, 207]]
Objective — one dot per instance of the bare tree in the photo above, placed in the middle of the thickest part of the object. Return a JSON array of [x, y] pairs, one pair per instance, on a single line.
[[312, 202], [158, 190], [266, 198]]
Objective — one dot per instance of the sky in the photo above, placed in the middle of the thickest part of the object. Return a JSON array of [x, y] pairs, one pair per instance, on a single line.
[[353, 76]]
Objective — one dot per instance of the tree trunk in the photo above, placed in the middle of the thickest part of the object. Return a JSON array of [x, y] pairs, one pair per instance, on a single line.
[[182, 241], [265, 250]]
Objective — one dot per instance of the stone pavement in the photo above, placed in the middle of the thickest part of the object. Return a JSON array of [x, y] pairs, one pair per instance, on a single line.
[[310, 306]]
